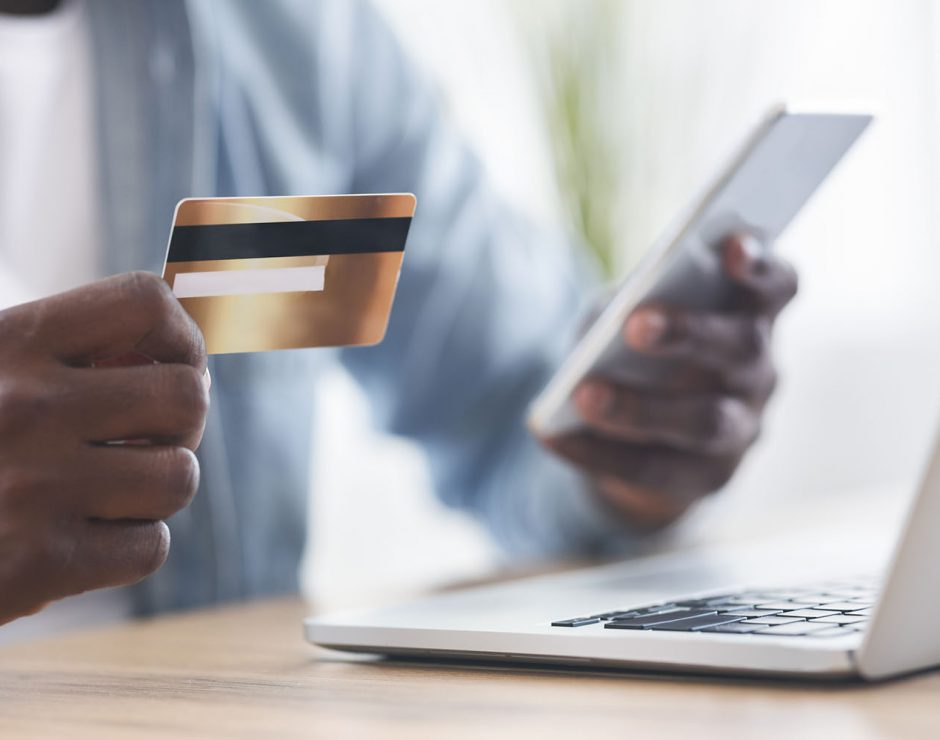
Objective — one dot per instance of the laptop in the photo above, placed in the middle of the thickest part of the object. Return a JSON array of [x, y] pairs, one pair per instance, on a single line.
[[763, 610]]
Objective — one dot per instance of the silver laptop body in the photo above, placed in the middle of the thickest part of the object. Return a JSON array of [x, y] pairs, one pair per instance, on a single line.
[[756, 610]]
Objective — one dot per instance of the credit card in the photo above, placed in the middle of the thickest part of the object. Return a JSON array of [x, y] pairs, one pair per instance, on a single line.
[[259, 274]]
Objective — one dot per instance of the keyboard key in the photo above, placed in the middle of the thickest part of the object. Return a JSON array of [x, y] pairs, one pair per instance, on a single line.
[[748, 612], [727, 598], [792, 629], [654, 609], [745, 601], [638, 623], [844, 595], [617, 615], [784, 595], [691, 624], [706, 600], [808, 613], [774, 620], [576, 622], [627, 613], [832, 632], [741, 628], [847, 606], [781, 606], [866, 584], [841, 619], [669, 606], [792, 594]]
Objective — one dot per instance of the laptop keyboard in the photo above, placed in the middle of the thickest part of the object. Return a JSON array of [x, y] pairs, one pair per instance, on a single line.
[[830, 610]]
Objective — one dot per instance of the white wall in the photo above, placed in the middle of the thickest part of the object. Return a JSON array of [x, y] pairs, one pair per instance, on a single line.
[[859, 351]]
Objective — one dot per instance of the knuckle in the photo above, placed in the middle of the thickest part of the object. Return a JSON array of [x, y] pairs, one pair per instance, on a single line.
[[148, 295], [712, 420], [722, 424], [153, 297], [22, 405], [187, 396], [149, 291]]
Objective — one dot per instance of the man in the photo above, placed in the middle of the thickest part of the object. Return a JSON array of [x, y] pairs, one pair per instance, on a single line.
[[236, 97]]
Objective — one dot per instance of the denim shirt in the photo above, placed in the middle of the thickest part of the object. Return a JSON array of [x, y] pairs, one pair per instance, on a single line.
[[240, 97]]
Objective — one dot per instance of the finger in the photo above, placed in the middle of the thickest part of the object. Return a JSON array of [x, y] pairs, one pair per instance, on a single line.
[[705, 424], [713, 353], [166, 404], [106, 554], [685, 475], [768, 283], [711, 340], [130, 482], [134, 312], [646, 510]]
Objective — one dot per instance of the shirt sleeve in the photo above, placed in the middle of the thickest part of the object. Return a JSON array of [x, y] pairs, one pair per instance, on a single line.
[[486, 307]]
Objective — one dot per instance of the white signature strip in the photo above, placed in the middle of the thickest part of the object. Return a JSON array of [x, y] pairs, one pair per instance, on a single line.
[[247, 282]]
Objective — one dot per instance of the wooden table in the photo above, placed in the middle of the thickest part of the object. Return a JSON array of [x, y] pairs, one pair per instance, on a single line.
[[245, 671]]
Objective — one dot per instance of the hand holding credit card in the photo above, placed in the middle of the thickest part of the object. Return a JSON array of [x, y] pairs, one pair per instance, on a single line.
[[267, 273]]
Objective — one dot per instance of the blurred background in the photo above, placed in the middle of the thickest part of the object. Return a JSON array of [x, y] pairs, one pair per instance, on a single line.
[[604, 117]]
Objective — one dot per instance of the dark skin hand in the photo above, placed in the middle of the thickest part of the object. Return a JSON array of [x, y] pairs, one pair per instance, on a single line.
[[653, 451], [78, 509]]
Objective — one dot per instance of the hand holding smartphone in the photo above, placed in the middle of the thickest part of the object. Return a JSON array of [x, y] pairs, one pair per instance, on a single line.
[[758, 193]]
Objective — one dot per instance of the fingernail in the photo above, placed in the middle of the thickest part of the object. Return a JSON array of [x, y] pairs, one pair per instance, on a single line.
[[207, 379], [647, 328], [594, 398]]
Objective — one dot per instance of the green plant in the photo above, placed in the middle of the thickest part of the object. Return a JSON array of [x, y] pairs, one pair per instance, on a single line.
[[574, 56]]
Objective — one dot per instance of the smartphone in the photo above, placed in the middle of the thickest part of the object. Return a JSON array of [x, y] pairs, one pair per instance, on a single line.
[[759, 191]]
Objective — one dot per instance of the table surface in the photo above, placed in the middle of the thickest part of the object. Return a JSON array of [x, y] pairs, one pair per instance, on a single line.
[[245, 671]]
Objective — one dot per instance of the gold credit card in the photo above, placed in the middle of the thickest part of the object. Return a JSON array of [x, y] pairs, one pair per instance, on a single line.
[[258, 274]]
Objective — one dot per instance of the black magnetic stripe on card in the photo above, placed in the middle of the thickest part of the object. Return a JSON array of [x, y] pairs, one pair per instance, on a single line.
[[287, 239]]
